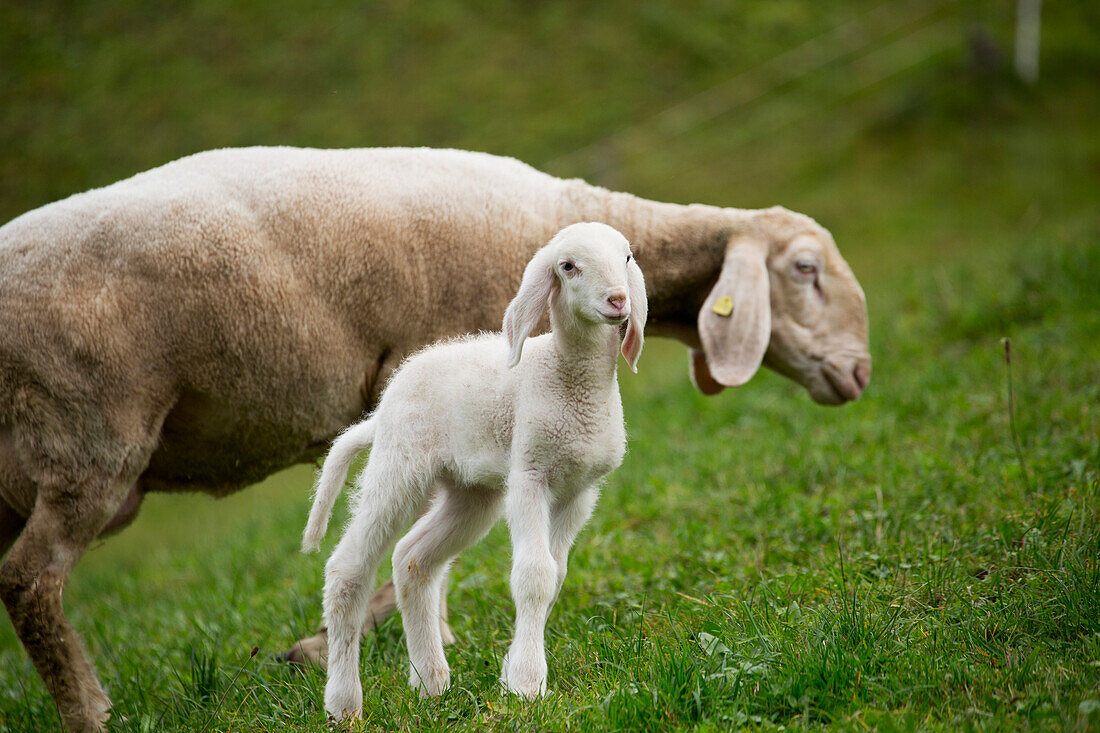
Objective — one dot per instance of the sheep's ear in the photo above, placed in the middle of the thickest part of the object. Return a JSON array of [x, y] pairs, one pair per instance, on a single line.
[[735, 320], [639, 310], [525, 310], [700, 375]]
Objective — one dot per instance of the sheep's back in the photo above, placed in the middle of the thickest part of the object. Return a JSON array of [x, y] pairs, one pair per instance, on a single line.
[[247, 298]]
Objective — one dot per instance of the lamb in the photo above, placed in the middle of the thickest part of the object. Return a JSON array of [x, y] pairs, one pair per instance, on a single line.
[[534, 442], [201, 325]]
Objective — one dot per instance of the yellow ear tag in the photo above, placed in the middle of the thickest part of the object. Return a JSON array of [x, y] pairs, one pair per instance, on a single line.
[[723, 306]]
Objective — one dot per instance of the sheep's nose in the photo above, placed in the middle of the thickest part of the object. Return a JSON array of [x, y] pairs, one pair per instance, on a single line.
[[617, 299], [862, 373]]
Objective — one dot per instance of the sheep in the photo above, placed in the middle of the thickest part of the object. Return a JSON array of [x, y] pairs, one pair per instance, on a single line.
[[201, 325], [533, 443]]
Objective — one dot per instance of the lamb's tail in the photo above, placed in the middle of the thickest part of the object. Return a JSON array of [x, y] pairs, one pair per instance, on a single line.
[[344, 449]]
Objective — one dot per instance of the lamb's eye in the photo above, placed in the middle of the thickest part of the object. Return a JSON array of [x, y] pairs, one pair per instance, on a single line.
[[567, 266], [628, 258], [805, 267]]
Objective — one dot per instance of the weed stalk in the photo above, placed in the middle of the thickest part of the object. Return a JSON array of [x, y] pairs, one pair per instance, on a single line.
[[218, 707]]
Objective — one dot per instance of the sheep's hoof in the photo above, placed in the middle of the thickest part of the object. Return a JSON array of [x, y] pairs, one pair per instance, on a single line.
[[94, 714], [308, 652]]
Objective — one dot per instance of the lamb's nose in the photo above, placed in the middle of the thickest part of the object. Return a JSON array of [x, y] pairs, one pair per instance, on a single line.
[[617, 300]]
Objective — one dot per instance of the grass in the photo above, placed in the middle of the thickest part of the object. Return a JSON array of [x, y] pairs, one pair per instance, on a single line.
[[757, 561]]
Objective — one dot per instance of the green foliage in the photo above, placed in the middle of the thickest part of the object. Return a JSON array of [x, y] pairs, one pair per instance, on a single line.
[[758, 561]]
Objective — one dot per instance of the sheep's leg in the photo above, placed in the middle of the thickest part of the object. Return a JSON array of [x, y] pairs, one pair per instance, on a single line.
[[382, 509], [457, 519], [11, 524], [17, 487], [567, 518], [32, 579], [534, 582]]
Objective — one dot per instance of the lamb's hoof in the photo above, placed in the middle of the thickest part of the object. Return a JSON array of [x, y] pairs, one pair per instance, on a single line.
[[432, 684], [344, 708], [531, 691], [345, 717], [307, 652], [527, 681]]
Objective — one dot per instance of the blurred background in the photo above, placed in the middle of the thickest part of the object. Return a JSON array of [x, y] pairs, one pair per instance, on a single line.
[[864, 115], [909, 128], [903, 126]]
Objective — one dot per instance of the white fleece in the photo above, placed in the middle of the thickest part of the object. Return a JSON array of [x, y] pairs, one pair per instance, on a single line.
[[532, 441]]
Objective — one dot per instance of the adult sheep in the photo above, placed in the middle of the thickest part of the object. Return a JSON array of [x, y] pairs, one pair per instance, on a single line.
[[203, 324]]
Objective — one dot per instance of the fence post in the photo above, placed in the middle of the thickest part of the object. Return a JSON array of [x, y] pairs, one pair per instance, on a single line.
[[1027, 39]]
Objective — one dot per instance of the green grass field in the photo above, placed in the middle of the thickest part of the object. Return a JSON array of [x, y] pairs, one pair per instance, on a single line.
[[901, 563]]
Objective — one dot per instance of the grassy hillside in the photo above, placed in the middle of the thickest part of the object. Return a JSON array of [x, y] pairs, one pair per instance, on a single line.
[[758, 560]]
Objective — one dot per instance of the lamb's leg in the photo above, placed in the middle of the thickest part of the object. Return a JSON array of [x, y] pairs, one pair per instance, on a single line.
[[445, 632], [567, 518], [382, 510], [457, 519], [32, 579], [534, 582], [314, 649]]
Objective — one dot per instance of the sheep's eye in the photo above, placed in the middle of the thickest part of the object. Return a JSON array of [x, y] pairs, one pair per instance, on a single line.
[[805, 267], [567, 267], [628, 258]]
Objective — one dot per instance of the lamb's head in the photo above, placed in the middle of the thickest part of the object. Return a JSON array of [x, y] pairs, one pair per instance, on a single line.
[[787, 299], [589, 277]]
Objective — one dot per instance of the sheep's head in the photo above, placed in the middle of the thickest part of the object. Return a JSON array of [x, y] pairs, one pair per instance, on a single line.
[[787, 299], [588, 274]]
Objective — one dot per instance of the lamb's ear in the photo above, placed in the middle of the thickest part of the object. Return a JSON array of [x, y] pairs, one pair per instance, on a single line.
[[639, 310], [525, 310], [735, 321]]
